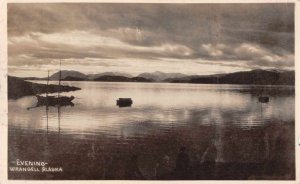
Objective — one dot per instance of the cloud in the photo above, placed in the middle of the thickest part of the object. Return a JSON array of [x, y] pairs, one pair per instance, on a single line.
[[236, 35], [81, 44], [249, 55]]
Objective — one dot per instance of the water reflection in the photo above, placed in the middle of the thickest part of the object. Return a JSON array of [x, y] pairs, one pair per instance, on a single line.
[[218, 124], [165, 105]]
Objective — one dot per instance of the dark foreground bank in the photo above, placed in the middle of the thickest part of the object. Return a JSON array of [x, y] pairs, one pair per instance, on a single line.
[[18, 88], [190, 153]]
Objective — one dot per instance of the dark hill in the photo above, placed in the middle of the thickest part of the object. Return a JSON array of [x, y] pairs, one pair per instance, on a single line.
[[67, 73], [108, 78], [18, 88], [70, 78], [141, 79], [259, 77]]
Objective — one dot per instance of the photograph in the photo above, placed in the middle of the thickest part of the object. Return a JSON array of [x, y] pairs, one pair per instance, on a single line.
[[151, 91]]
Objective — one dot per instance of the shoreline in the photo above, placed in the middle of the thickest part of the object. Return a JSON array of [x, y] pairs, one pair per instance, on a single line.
[[106, 158], [18, 88], [160, 82]]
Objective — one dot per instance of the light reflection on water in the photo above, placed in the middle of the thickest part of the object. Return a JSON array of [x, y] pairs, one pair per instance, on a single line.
[[166, 105], [222, 122]]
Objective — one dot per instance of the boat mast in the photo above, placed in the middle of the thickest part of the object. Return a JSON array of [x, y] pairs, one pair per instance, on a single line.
[[58, 107], [47, 91], [59, 78], [47, 84], [47, 104]]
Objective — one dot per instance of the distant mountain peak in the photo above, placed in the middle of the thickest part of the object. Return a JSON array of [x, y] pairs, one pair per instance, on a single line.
[[67, 73], [94, 76], [160, 76]]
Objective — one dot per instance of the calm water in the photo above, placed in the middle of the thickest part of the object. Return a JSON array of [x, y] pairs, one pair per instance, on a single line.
[[228, 117]]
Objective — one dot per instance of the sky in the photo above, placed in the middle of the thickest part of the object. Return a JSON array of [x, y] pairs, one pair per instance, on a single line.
[[135, 38]]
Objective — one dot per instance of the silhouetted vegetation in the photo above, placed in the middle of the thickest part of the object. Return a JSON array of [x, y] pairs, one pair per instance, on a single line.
[[18, 88]]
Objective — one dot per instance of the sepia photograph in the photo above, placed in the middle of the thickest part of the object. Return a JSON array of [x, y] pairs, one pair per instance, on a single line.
[[151, 91]]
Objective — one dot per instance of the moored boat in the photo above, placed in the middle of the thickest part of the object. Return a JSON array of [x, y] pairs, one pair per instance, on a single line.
[[263, 99], [124, 102], [54, 100]]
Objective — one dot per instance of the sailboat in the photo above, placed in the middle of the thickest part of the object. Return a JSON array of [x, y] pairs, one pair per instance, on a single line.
[[54, 100]]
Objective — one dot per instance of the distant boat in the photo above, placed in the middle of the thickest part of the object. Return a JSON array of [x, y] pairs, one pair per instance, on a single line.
[[124, 102], [55, 100], [263, 99]]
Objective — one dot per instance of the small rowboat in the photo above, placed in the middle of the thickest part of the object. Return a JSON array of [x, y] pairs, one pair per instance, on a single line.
[[124, 102]]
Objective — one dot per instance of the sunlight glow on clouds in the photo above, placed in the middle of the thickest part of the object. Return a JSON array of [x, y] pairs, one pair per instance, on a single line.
[[134, 38]]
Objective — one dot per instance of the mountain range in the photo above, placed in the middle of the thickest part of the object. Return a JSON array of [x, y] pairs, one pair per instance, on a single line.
[[259, 77], [160, 76], [263, 77]]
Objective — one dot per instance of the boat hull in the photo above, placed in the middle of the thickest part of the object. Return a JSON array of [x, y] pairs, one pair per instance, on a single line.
[[263, 99], [124, 102], [53, 100]]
